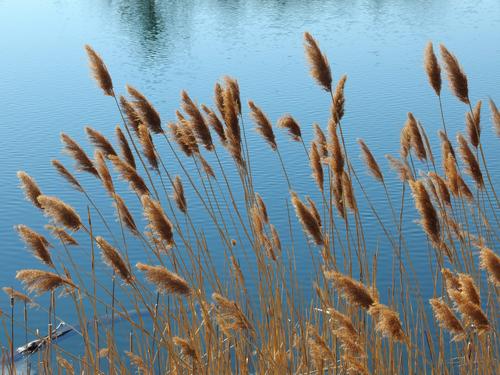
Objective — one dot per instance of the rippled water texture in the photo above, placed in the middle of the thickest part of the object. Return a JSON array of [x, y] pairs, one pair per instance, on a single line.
[[162, 47]]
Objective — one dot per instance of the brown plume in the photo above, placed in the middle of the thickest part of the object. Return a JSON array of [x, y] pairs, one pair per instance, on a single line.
[[158, 221], [338, 100], [317, 168], [124, 215], [126, 152], [179, 197], [215, 123], [387, 321], [60, 212], [129, 174], [432, 69], [490, 262], [148, 147], [264, 127], [99, 71], [145, 111], [62, 235], [128, 109], [495, 117], [165, 281], [83, 162], [471, 165], [370, 161], [100, 141], [308, 221], [456, 76], [320, 140], [447, 319], [17, 295], [102, 168], [289, 123], [39, 281], [354, 291], [30, 188], [429, 219], [112, 258], [61, 169], [401, 168], [37, 243], [473, 124], [230, 315], [319, 66], [197, 122], [415, 137]]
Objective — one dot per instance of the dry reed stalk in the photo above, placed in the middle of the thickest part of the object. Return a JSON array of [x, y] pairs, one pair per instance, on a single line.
[[490, 262], [429, 219], [158, 221], [308, 221], [444, 193], [473, 124], [288, 122], [103, 171], [179, 197], [215, 123], [62, 235], [125, 149], [197, 122], [37, 243], [262, 208], [99, 141], [61, 169], [148, 148], [318, 62], [456, 76], [139, 363], [317, 168], [402, 169], [354, 291], [338, 100], [146, 113], [17, 295], [264, 127], [432, 69], [187, 347], [83, 162], [129, 173], [124, 215], [472, 167], [318, 348], [230, 316], [355, 366], [387, 322], [447, 319], [320, 140], [427, 144], [30, 188], [100, 71], [165, 281], [495, 117], [60, 212], [416, 141], [133, 119], [111, 256], [39, 282], [370, 161]]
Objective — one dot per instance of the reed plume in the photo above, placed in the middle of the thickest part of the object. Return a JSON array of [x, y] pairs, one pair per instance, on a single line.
[[124, 215], [490, 262], [495, 117], [39, 282], [308, 221], [111, 256], [62, 235], [432, 69], [197, 122], [100, 141], [427, 144], [63, 363], [231, 116], [464, 189], [179, 197], [387, 321], [405, 141], [288, 122], [100, 71], [187, 347], [17, 295], [456, 76], [313, 209], [130, 174], [354, 291], [178, 136], [318, 348], [446, 147], [320, 140], [275, 238], [471, 164], [348, 192], [416, 141], [60, 212], [402, 169], [429, 219], [262, 208], [165, 281], [230, 316], [318, 62], [158, 221], [447, 319], [468, 288], [215, 123], [145, 111], [133, 119], [103, 171], [148, 147], [473, 124], [317, 168], [370, 161], [264, 127], [444, 193], [473, 315], [83, 162], [451, 173], [67, 175], [337, 156], [206, 167], [139, 363], [233, 86], [126, 152], [37, 243], [338, 100], [30, 188]]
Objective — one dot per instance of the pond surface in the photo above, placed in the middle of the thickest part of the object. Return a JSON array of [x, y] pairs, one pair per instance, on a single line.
[[162, 47]]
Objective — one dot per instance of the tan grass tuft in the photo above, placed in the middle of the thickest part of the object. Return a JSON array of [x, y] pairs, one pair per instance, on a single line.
[[111, 256], [130, 174], [37, 243], [17, 295], [61, 169], [354, 291], [83, 162], [316, 166], [60, 212], [429, 219], [370, 161], [264, 127], [320, 140], [133, 119], [432, 69], [145, 111], [490, 262], [124, 215], [158, 221], [288, 122], [402, 169], [165, 281], [473, 124], [338, 100], [187, 347], [62, 235], [495, 117], [39, 282], [472, 167], [387, 322], [197, 121], [320, 68], [308, 221], [102, 169], [148, 147], [99, 71], [179, 197], [100, 141], [215, 123], [126, 152], [230, 316], [447, 319], [30, 188], [416, 141], [456, 76], [139, 363]]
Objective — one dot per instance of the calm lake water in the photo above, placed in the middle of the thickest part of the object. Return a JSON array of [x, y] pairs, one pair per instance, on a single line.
[[162, 47]]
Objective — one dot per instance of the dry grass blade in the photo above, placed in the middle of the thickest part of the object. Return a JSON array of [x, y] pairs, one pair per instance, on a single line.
[[158, 221], [318, 62], [429, 219], [62, 235], [370, 161], [288, 122], [456, 76], [148, 147], [126, 152], [354, 291], [39, 281], [197, 121], [145, 111], [308, 221], [495, 117], [490, 262], [100, 71], [100, 141], [179, 196], [472, 166], [165, 281], [60, 212], [37, 243], [83, 162], [264, 127], [387, 322], [102, 169], [130, 174], [432, 69], [111, 256], [447, 319], [61, 169], [30, 188]]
